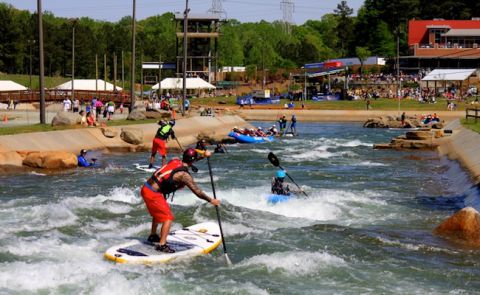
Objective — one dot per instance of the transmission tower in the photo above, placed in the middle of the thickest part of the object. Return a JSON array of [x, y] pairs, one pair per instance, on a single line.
[[288, 8], [217, 8]]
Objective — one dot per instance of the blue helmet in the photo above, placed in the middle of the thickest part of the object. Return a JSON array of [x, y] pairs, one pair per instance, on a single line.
[[281, 174]]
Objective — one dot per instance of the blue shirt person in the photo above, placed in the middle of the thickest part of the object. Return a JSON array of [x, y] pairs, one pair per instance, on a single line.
[[82, 162]]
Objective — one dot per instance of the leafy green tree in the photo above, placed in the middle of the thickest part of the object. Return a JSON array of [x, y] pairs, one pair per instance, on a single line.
[[362, 53], [344, 26]]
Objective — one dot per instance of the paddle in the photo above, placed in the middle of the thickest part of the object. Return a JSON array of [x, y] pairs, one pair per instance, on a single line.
[[229, 262], [275, 162]]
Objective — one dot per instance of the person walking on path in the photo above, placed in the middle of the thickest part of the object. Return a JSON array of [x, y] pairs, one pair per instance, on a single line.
[[156, 190]]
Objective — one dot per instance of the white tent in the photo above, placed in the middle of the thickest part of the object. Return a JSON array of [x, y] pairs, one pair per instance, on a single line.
[[177, 83], [449, 75], [87, 84], [7, 85]]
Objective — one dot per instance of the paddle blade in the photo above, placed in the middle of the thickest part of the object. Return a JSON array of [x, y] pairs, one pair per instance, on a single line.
[[273, 159]]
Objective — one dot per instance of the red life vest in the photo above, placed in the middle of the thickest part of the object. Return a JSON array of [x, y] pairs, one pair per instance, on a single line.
[[164, 176]]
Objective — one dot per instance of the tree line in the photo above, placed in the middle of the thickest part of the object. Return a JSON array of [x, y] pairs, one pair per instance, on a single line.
[[261, 45]]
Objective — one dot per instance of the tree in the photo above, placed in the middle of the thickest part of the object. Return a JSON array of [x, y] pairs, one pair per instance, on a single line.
[[362, 53], [344, 26]]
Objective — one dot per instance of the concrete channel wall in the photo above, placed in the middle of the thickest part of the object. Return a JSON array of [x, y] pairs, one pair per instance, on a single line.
[[463, 146]]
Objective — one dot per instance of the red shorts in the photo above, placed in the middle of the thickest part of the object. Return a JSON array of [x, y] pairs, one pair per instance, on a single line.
[[156, 204], [159, 146]]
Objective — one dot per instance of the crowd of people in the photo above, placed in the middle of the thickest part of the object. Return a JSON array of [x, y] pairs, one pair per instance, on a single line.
[[91, 110]]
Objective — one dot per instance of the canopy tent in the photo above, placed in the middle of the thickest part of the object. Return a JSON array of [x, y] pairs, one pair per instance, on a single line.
[[88, 85], [449, 75], [7, 85], [177, 83]]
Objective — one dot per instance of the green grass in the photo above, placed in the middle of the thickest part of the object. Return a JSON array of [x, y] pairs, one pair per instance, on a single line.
[[48, 127], [379, 104], [24, 80], [470, 124]]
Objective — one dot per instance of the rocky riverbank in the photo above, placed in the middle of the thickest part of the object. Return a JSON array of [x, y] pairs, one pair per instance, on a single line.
[[58, 149]]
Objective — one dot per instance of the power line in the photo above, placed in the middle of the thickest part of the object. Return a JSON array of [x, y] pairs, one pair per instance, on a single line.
[[217, 8], [287, 7]]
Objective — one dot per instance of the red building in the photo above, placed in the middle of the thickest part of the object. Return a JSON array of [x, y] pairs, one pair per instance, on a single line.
[[442, 43]]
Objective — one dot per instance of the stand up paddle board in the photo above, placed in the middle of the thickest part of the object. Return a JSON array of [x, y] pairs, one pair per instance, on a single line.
[[192, 241], [145, 168]]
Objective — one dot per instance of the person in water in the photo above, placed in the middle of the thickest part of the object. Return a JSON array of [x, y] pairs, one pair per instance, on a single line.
[[282, 122], [293, 125], [219, 149], [82, 161], [165, 181], [159, 142]]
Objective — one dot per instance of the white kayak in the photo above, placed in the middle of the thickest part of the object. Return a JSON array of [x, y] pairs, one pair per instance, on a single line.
[[191, 241], [145, 168]]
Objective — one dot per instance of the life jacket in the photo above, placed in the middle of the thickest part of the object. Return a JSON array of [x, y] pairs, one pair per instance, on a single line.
[[164, 177], [279, 189], [164, 131]]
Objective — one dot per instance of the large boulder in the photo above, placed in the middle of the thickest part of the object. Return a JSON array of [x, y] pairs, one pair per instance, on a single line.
[[66, 118], [158, 114], [463, 225], [109, 132], [419, 135], [11, 159], [136, 115], [50, 160], [132, 135]]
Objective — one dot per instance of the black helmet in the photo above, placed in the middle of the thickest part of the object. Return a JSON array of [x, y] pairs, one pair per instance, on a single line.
[[172, 123], [189, 155]]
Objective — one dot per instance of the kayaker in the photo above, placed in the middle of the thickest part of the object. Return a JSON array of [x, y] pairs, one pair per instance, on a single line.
[[280, 187], [164, 181], [82, 161], [159, 142]]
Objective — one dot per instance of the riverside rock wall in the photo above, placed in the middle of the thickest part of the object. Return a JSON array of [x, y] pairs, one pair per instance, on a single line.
[[15, 148], [463, 146]]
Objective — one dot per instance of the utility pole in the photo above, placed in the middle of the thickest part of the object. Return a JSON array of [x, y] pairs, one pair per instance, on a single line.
[[132, 90], [141, 77], [288, 8], [115, 72], [104, 72], [74, 22], [160, 77], [41, 66], [185, 24], [96, 75], [399, 83], [123, 73]]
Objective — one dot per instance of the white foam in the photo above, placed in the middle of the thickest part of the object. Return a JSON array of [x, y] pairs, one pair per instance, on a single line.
[[295, 263]]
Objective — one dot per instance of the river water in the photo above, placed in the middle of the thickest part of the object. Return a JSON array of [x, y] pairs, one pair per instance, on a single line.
[[366, 226]]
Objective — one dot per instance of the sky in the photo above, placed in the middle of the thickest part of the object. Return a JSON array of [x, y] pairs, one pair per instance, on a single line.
[[242, 10]]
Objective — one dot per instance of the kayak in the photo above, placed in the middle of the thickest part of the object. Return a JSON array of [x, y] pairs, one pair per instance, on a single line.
[[274, 199], [250, 139]]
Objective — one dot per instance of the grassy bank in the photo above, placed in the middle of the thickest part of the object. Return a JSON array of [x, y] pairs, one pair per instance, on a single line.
[[471, 124], [382, 104], [24, 80], [48, 127]]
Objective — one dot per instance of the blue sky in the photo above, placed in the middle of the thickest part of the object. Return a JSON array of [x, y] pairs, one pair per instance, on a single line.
[[243, 10]]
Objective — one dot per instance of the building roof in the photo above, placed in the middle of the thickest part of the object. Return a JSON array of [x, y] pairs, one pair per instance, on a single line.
[[449, 75], [87, 84], [417, 29], [177, 83], [7, 85], [462, 32]]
